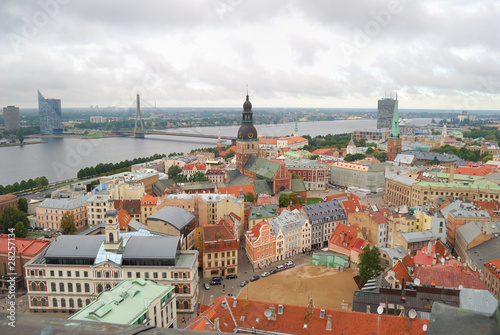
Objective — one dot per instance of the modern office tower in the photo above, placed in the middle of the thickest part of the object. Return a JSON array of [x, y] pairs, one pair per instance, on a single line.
[[11, 118], [394, 143], [385, 111], [50, 115]]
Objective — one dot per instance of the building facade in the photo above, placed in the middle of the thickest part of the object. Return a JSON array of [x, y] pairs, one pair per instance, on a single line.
[[385, 111], [50, 212], [97, 206], [492, 276], [220, 250], [314, 174], [11, 118], [7, 200], [50, 115], [260, 245]]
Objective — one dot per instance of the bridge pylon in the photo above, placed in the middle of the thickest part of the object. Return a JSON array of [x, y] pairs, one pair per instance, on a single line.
[[138, 116]]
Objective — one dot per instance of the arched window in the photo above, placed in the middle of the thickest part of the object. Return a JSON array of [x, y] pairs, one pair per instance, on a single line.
[[53, 287], [108, 287], [111, 238], [177, 303], [87, 287], [44, 302], [87, 302], [54, 302], [42, 287], [33, 286], [186, 304], [35, 302], [78, 287], [176, 288], [70, 287], [71, 303], [63, 302], [99, 288], [80, 303], [185, 289], [61, 287]]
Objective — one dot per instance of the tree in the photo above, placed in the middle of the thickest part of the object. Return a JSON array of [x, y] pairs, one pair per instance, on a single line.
[[294, 176], [369, 151], [68, 223], [487, 158], [22, 205], [369, 264], [295, 199], [20, 230], [198, 176], [10, 217], [284, 200], [173, 171], [249, 196], [230, 154], [20, 135], [435, 161]]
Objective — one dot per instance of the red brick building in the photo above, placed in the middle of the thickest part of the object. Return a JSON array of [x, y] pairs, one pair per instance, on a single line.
[[492, 276], [26, 249], [260, 244], [7, 200]]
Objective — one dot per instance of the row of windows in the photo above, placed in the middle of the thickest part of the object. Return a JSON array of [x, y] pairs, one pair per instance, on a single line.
[[61, 273], [216, 254], [55, 302], [184, 275]]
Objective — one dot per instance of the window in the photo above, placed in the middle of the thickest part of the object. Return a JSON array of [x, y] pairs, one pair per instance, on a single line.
[[115, 274], [70, 287], [78, 287], [61, 287], [186, 304], [98, 274], [60, 274], [69, 273], [146, 275], [87, 287], [176, 275], [164, 275], [129, 274], [35, 302], [108, 286], [99, 288], [155, 275], [53, 287], [63, 302], [77, 273], [54, 302], [44, 302], [87, 302], [42, 287], [185, 289], [137, 275], [184, 275], [52, 273], [85, 274], [71, 303], [80, 303], [33, 286]]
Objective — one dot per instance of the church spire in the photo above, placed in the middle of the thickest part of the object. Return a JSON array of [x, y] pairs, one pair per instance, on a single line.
[[296, 131], [395, 120]]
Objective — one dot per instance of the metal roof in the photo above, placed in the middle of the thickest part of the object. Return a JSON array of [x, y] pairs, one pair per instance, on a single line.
[[478, 300], [418, 236], [159, 247], [65, 204], [176, 217], [75, 246], [484, 252]]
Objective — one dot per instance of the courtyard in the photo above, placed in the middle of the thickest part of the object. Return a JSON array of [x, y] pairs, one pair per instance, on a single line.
[[327, 287]]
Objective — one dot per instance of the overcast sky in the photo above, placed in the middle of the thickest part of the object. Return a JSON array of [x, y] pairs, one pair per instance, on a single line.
[[330, 53]]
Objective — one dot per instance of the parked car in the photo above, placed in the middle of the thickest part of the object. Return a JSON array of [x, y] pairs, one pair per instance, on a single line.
[[216, 282], [288, 263], [273, 271], [265, 274], [280, 267], [243, 283], [254, 278], [217, 279], [207, 286], [231, 276]]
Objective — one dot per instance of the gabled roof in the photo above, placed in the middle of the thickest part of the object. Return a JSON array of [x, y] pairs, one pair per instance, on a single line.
[[450, 274], [298, 185], [7, 197], [400, 272], [123, 218], [235, 190], [346, 237], [28, 247], [132, 207], [263, 168], [484, 252]]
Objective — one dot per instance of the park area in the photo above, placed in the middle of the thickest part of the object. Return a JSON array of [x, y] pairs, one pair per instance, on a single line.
[[327, 287]]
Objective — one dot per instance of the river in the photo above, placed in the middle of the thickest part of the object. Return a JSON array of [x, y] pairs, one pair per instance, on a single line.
[[62, 158]]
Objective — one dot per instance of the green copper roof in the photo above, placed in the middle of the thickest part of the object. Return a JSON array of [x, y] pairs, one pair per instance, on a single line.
[[395, 121], [263, 212], [126, 303], [262, 168]]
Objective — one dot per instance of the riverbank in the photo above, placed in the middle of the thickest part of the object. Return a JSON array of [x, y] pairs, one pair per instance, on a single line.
[[20, 144]]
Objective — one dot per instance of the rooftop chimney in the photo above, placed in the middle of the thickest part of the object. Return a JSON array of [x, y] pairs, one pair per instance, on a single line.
[[329, 322], [216, 324], [452, 172]]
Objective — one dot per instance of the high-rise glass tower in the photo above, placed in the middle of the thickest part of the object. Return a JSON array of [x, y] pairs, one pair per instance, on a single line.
[[50, 115], [11, 117], [385, 111]]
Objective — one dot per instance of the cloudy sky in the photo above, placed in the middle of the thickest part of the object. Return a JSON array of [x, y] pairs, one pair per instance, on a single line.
[[436, 54]]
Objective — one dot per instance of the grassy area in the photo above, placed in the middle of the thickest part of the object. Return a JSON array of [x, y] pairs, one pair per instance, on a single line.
[[35, 234], [311, 201]]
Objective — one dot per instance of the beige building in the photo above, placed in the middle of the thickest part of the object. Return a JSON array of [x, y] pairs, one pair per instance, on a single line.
[[157, 164], [220, 250], [76, 268], [126, 191], [146, 177], [97, 206], [50, 212]]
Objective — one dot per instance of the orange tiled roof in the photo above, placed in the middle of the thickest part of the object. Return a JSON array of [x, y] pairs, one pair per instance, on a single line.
[[378, 217], [132, 207], [452, 273], [123, 218], [350, 206], [235, 190], [494, 267], [296, 139], [400, 272], [267, 200], [255, 231], [408, 262], [7, 197], [272, 141], [198, 166], [344, 236], [149, 200], [475, 169], [26, 246], [247, 315]]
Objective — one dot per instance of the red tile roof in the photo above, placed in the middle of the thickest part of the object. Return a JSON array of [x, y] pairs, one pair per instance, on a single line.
[[267, 200], [400, 272], [123, 218], [346, 237], [7, 197], [219, 235], [235, 190], [247, 315], [132, 207], [149, 200], [408, 262], [197, 166], [452, 273], [272, 141], [475, 169], [28, 247], [351, 206], [377, 217]]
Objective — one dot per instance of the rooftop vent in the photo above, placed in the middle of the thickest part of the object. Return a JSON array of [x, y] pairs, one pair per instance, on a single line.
[[280, 309]]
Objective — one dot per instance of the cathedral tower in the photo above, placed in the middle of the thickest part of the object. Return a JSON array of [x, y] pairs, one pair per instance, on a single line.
[[247, 143]]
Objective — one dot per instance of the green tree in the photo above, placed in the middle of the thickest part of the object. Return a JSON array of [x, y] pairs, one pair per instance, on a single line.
[[173, 171], [198, 176], [230, 154], [284, 200], [294, 176], [249, 196], [435, 161], [20, 135], [295, 199], [22, 205], [355, 157], [20, 230], [369, 151], [68, 223], [369, 264], [487, 158], [10, 217]]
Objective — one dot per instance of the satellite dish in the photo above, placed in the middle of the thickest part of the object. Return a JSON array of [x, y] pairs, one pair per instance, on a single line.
[[442, 260], [412, 314], [460, 287], [424, 327], [417, 281], [268, 313], [380, 310]]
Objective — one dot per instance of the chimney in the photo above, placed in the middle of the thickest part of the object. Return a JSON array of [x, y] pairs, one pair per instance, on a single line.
[[452, 173], [429, 248], [211, 299], [329, 322], [433, 284], [207, 326], [216, 324]]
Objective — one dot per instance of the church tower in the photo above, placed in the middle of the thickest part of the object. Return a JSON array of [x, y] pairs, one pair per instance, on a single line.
[[219, 144], [394, 145], [247, 143], [112, 230], [351, 147]]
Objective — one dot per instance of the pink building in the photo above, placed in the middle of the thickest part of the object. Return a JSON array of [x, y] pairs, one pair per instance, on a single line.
[[260, 245], [49, 213]]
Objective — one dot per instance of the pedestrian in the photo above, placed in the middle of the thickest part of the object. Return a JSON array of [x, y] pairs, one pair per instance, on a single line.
[[183, 319]]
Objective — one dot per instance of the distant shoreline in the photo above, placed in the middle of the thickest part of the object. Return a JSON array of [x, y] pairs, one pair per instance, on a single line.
[[20, 144]]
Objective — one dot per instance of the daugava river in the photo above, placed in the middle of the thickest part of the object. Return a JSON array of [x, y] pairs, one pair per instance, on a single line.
[[61, 158]]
